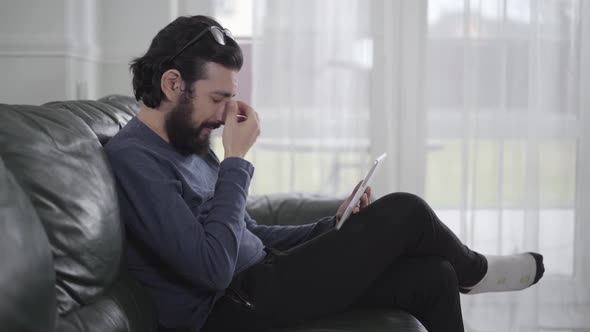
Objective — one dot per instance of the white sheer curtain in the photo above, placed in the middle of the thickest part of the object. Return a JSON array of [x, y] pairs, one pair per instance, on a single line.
[[503, 109], [482, 105], [311, 66]]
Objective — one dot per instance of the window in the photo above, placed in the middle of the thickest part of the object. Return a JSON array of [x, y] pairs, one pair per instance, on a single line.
[[236, 15], [502, 85]]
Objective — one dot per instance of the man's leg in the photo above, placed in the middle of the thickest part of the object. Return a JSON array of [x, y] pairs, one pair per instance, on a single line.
[[330, 273], [423, 286]]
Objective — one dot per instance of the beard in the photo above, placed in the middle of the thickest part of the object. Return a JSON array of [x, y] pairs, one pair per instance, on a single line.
[[184, 136]]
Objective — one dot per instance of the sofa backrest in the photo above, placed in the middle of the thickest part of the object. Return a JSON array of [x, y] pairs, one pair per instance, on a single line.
[[26, 285], [105, 117], [59, 162], [55, 154], [292, 208]]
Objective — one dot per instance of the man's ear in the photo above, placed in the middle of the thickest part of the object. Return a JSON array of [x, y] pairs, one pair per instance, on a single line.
[[171, 84]]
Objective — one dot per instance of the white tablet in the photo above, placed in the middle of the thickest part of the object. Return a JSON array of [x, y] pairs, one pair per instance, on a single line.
[[359, 193]]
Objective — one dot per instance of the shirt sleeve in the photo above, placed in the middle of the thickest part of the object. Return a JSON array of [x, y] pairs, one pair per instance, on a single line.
[[283, 237], [203, 251]]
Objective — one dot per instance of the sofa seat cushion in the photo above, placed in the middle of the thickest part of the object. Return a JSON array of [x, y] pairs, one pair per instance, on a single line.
[[124, 307], [382, 320]]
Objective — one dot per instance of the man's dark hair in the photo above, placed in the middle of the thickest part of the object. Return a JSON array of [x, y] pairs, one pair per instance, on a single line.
[[148, 69]]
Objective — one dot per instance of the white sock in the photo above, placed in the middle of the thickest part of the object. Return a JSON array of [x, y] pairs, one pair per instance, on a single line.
[[509, 273]]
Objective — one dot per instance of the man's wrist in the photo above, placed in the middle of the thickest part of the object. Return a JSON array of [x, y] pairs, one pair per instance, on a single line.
[[231, 154]]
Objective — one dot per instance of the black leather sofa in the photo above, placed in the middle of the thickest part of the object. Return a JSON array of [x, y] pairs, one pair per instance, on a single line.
[[61, 239]]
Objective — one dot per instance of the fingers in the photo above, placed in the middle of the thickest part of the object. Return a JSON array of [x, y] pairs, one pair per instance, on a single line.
[[353, 193], [240, 111], [355, 188], [231, 112], [241, 129], [245, 109], [246, 112], [364, 201]]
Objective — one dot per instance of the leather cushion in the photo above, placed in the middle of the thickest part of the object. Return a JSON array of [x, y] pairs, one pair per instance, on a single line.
[[363, 321], [58, 161], [26, 277], [124, 103], [291, 209], [104, 119], [125, 307]]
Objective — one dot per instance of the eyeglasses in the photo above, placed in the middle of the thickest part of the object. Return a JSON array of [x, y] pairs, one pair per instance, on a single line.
[[218, 34]]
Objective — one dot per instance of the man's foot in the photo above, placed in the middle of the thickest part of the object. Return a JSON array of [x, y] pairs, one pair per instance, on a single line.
[[509, 273]]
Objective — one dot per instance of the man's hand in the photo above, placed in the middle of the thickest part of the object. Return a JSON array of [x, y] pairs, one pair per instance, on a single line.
[[241, 129], [363, 203]]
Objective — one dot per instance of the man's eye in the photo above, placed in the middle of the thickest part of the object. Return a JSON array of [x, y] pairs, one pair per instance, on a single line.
[[217, 101]]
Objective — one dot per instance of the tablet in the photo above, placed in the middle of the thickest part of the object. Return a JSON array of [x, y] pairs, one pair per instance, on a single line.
[[361, 190]]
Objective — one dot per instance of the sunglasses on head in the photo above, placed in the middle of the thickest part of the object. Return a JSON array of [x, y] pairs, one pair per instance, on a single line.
[[218, 34]]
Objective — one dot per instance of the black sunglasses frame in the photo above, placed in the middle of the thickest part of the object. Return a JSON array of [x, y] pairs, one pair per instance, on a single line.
[[218, 34]]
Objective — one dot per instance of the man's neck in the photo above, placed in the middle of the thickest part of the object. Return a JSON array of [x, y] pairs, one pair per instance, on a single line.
[[155, 120]]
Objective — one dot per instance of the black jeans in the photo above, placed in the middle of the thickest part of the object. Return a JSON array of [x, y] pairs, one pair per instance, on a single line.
[[394, 253]]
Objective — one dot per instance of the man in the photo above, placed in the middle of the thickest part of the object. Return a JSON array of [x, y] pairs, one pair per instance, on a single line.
[[209, 266]]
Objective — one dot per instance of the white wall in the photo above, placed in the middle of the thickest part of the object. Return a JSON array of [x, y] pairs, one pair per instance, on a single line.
[[77, 49], [125, 30], [46, 50]]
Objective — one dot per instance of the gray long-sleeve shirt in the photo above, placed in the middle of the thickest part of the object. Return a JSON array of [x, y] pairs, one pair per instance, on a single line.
[[187, 230]]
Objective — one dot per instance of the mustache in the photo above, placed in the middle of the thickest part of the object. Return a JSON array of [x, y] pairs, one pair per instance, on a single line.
[[211, 125]]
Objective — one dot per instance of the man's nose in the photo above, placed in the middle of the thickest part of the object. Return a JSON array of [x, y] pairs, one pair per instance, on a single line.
[[221, 114]]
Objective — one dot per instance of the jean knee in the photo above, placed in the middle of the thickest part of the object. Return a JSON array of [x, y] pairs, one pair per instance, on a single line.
[[411, 206], [403, 198]]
